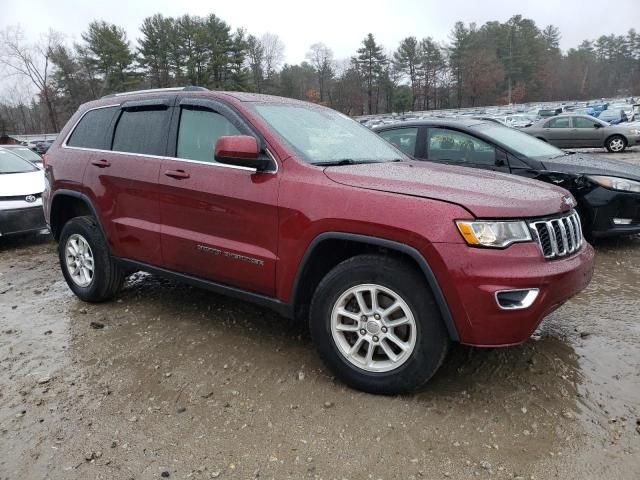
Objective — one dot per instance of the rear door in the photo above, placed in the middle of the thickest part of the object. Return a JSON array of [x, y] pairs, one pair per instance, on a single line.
[[586, 134], [124, 179], [454, 147], [219, 222], [558, 132]]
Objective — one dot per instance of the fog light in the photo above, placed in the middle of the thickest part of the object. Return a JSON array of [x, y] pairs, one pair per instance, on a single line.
[[622, 221], [516, 299]]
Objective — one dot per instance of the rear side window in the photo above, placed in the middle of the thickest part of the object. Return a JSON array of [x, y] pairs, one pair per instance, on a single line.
[[91, 132], [199, 132], [142, 131]]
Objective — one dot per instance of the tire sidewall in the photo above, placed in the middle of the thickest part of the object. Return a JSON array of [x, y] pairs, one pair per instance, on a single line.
[[431, 338], [91, 233]]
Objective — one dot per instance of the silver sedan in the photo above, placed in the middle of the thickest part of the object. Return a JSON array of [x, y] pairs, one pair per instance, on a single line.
[[575, 131]]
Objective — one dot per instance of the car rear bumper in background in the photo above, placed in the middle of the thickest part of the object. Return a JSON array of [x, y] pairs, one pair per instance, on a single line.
[[611, 212], [21, 220], [477, 274]]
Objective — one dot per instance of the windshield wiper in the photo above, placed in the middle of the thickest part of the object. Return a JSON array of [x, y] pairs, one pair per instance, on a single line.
[[351, 161]]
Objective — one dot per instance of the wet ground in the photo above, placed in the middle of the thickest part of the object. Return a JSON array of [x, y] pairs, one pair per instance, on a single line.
[[170, 381]]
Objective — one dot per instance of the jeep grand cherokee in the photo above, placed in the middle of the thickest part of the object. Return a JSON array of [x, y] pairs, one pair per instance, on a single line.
[[301, 209]]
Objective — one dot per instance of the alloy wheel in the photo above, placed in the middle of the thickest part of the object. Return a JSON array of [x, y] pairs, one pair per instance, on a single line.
[[373, 328], [79, 260], [616, 145]]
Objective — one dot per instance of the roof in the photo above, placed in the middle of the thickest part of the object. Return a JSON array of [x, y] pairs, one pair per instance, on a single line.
[[444, 122]]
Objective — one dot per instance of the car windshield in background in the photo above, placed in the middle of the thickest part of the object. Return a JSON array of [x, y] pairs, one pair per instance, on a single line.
[[26, 153], [324, 136], [519, 142], [10, 163]]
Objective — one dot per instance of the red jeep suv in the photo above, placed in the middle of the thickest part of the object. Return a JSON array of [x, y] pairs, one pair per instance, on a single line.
[[298, 208]]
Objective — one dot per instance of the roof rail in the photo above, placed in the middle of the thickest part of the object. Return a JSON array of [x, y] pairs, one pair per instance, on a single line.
[[190, 88]]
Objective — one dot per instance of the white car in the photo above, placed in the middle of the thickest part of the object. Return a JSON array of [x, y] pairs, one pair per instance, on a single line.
[[21, 187]]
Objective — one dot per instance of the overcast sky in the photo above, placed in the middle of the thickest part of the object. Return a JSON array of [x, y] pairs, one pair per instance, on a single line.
[[341, 24]]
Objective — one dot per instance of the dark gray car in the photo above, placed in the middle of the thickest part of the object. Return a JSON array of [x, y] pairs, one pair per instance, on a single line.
[[575, 131]]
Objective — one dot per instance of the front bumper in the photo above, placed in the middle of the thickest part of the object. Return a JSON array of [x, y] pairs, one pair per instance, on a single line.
[[21, 220], [476, 274], [602, 205]]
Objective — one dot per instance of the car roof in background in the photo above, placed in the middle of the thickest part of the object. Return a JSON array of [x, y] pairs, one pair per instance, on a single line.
[[441, 122]]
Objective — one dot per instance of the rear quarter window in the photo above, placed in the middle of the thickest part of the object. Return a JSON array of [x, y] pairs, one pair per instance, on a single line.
[[91, 131]]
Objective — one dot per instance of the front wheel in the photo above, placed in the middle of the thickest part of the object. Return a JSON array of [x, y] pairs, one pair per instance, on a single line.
[[616, 144], [86, 264], [376, 326]]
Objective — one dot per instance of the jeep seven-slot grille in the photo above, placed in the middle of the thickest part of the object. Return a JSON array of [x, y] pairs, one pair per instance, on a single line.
[[558, 237]]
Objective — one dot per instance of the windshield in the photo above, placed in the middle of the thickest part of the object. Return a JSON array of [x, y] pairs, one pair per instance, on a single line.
[[521, 143], [10, 163], [25, 153], [321, 135]]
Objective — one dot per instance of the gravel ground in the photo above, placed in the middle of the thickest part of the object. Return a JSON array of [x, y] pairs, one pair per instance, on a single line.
[[169, 381]]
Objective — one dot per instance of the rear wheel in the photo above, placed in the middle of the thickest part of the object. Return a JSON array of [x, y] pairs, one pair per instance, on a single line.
[[616, 144], [375, 324], [86, 264]]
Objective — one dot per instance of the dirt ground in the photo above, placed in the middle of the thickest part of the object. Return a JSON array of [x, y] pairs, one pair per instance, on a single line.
[[170, 381]]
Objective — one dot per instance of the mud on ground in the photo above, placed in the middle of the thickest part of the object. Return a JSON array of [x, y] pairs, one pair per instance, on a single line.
[[169, 381]]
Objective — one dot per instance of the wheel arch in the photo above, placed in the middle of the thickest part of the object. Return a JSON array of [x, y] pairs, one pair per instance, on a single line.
[[330, 248], [67, 204], [626, 141]]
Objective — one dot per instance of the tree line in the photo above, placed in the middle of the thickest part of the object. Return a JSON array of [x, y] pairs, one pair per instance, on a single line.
[[495, 63]]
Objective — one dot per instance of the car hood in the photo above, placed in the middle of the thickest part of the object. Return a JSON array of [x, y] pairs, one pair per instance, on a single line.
[[15, 184], [485, 194], [581, 163]]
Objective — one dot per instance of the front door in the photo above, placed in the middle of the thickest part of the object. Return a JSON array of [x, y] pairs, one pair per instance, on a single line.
[[586, 133], [219, 222], [445, 145]]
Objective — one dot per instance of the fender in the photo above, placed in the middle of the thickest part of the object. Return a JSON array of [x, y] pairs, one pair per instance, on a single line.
[[391, 245]]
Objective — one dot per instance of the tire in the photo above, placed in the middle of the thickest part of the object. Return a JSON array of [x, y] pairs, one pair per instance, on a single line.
[[616, 144], [105, 279], [390, 278]]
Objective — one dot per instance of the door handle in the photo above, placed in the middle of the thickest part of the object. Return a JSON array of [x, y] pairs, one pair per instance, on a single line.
[[177, 174], [102, 163]]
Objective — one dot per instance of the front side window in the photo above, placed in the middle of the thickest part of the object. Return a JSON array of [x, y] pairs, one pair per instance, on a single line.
[[199, 131], [91, 131], [320, 135], [402, 138], [583, 122], [562, 122], [450, 145], [142, 131]]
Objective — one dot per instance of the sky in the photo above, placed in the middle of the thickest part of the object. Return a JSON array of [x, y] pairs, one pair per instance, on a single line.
[[340, 24]]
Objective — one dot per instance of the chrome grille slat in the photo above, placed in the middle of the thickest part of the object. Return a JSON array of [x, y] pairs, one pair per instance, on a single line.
[[558, 237]]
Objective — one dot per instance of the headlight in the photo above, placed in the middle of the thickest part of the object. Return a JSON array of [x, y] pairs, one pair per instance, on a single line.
[[634, 131], [616, 183], [482, 233]]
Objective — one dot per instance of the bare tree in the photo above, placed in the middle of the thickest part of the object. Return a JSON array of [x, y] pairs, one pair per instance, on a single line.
[[272, 53], [321, 58], [31, 61]]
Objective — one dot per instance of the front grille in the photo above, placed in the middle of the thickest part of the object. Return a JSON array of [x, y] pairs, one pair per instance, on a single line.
[[558, 237]]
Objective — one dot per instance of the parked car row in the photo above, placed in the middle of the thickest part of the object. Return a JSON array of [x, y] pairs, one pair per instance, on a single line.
[[298, 208], [607, 191]]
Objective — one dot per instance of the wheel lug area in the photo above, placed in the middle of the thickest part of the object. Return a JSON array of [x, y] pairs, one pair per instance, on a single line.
[[375, 338], [384, 330], [364, 318], [363, 332], [376, 316]]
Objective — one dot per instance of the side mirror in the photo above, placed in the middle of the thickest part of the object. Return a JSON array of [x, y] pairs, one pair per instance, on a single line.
[[597, 125], [241, 151]]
